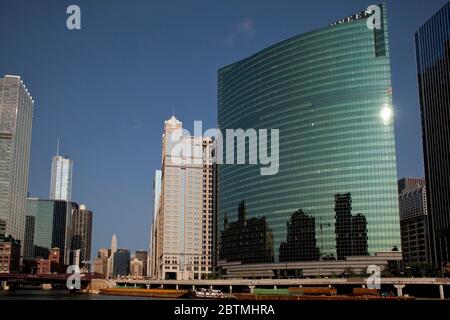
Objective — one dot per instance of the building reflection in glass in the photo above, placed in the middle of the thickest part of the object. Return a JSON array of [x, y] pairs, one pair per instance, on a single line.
[[351, 231], [301, 239], [246, 240]]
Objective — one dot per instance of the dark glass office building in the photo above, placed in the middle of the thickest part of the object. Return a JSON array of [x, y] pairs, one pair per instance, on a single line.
[[433, 63], [121, 262], [335, 194], [81, 235], [48, 225]]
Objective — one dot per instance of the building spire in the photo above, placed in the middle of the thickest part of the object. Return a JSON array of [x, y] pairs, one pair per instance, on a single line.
[[57, 148]]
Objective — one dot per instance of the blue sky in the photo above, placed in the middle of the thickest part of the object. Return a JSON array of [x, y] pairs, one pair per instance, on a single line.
[[105, 90]]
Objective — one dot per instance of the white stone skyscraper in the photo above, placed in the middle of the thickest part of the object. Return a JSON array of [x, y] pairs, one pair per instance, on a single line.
[[111, 257], [16, 120], [182, 231], [61, 177]]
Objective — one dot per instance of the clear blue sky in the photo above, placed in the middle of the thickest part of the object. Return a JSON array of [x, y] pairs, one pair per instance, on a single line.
[[106, 90]]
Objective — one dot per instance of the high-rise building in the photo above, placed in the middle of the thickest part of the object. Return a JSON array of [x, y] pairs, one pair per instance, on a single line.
[[56, 261], [329, 94], [61, 177], [183, 230], [433, 64], [16, 119], [48, 225], [75, 257], [121, 263], [142, 256], [2, 226], [409, 183], [82, 235], [153, 227], [55, 256], [111, 256], [30, 224], [9, 254], [136, 267], [103, 253], [43, 266], [100, 265], [101, 262], [414, 223]]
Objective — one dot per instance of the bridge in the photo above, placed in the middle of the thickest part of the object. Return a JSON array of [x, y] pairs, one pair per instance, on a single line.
[[13, 280], [418, 287], [427, 287]]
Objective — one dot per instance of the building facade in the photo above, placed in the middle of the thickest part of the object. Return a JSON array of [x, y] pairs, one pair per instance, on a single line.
[[142, 256], [16, 119], [329, 94], [43, 266], [48, 225], [2, 226], [28, 244], [111, 255], [61, 178], [136, 267], [412, 200], [433, 64], [9, 254], [81, 236], [55, 256], [152, 270], [101, 263], [183, 231], [121, 263]]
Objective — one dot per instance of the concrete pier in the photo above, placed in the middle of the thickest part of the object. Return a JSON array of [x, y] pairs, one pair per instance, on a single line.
[[399, 288], [441, 292]]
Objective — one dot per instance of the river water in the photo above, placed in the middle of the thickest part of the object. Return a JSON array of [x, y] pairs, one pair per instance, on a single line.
[[36, 294]]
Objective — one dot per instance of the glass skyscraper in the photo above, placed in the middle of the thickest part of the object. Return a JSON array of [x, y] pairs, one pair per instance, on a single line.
[[81, 236], [433, 63], [335, 195], [16, 119], [121, 262], [48, 225], [61, 178], [154, 224]]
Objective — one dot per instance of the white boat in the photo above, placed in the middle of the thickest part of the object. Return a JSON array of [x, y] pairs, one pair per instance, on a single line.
[[207, 294]]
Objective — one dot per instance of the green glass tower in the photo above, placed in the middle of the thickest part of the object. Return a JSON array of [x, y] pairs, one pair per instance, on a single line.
[[335, 194]]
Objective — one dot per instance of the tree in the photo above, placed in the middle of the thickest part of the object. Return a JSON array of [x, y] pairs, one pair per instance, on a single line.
[[348, 273]]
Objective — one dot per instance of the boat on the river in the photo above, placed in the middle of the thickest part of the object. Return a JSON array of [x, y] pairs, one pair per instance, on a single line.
[[203, 293]]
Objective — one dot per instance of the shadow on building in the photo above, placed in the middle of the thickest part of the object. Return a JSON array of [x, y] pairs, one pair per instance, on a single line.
[[351, 231], [301, 239], [246, 240]]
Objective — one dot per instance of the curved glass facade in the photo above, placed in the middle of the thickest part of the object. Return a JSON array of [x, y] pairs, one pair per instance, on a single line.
[[335, 195]]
